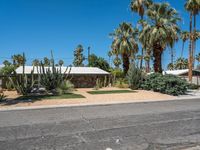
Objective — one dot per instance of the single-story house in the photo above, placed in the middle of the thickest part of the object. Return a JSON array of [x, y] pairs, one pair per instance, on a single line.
[[81, 77], [184, 74]]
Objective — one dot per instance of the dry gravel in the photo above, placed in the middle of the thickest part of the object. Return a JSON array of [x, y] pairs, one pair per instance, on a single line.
[[137, 96]]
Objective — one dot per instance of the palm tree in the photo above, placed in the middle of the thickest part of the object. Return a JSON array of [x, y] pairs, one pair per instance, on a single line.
[[61, 62], [36, 62], [181, 63], [6, 63], [18, 60], [125, 43], [170, 66], [184, 36], [160, 30], [198, 58], [140, 6], [193, 7], [46, 61], [109, 56], [117, 61]]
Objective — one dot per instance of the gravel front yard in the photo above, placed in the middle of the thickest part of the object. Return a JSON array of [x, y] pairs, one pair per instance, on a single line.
[[137, 96]]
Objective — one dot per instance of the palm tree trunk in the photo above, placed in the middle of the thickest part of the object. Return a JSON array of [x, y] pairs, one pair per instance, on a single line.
[[194, 41], [190, 52], [141, 61], [126, 62], [157, 53], [183, 45]]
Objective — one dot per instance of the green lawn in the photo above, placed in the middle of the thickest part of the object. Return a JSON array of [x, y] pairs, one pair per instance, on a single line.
[[111, 92], [40, 97]]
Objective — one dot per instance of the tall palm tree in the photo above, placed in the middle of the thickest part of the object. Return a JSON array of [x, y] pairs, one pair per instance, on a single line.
[[181, 63], [160, 30], [184, 36], [109, 56], [193, 7], [125, 43], [140, 6]]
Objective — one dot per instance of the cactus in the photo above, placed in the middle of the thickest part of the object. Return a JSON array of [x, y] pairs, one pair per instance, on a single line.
[[52, 77], [22, 83]]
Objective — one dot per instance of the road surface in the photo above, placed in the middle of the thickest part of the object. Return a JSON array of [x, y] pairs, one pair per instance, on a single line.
[[157, 125]]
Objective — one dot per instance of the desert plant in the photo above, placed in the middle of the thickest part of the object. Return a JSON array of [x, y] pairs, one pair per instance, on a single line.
[[2, 97], [134, 77], [167, 84], [21, 82], [98, 84], [65, 87], [9, 86], [52, 77], [121, 83], [192, 86]]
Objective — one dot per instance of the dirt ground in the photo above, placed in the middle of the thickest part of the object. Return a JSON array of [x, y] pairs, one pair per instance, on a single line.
[[137, 96]]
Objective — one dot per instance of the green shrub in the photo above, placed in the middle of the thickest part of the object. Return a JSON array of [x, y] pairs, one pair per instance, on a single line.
[[193, 86], [167, 84], [134, 77]]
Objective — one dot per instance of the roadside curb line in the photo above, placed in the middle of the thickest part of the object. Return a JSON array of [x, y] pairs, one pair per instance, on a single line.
[[95, 104]]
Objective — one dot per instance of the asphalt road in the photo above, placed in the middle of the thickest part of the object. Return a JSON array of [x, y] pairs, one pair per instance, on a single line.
[[158, 125]]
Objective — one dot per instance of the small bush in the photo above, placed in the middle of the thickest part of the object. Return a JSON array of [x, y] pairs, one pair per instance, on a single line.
[[2, 97], [193, 86], [134, 77], [65, 87], [121, 83], [167, 84]]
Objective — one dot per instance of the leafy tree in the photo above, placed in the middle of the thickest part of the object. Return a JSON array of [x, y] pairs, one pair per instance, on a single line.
[[160, 30], [125, 43], [78, 56], [98, 62]]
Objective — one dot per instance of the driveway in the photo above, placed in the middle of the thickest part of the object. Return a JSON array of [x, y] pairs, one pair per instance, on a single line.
[[167, 125]]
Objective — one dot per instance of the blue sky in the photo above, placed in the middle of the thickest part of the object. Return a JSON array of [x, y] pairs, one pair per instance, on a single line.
[[37, 26]]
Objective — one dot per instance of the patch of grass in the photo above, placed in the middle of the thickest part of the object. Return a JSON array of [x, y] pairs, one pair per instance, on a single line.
[[40, 97], [111, 92]]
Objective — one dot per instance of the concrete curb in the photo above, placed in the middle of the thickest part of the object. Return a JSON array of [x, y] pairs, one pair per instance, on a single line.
[[94, 104]]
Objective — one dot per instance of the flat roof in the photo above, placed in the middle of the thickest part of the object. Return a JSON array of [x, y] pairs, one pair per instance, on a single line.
[[72, 70]]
